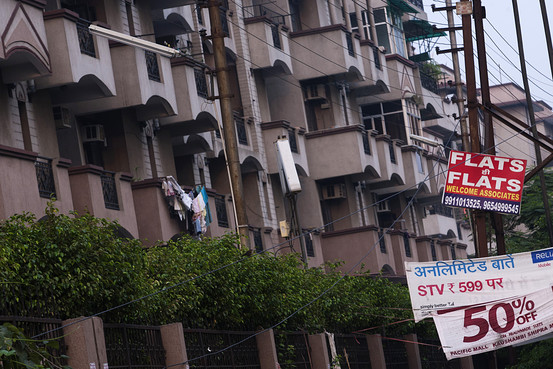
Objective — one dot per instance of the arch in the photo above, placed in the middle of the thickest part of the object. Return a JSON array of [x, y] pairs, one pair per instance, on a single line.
[[371, 171], [424, 189], [387, 270], [396, 179], [280, 64], [354, 74], [206, 120], [450, 234], [122, 232], [250, 164], [199, 142], [429, 113], [301, 171], [88, 87], [155, 107], [25, 53]]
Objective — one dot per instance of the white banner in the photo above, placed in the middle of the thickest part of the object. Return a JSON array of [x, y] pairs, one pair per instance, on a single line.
[[453, 283], [485, 327]]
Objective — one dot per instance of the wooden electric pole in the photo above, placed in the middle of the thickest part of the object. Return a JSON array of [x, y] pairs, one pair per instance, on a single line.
[[229, 131]]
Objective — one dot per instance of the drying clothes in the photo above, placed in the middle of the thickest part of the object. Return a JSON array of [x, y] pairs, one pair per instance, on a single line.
[[207, 215]]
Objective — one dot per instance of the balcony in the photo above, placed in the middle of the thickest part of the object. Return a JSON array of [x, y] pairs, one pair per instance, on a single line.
[[399, 71], [352, 153], [296, 137], [196, 113], [332, 49], [404, 249], [363, 244], [31, 181], [392, 171], [143, 80], [269, 45], [439, 218], [81, 63], [416, 169], [152, 212], [104, 194], [24, 53], [376, 75]]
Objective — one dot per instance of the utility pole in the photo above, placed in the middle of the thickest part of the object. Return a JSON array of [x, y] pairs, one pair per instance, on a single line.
[[489, 147], [472, 105], [229, 131]]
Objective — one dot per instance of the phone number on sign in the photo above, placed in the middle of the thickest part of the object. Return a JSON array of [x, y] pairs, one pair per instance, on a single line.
[[503, 208], [462, 202]]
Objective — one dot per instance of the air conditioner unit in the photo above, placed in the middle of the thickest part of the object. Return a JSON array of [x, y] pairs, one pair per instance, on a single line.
[[93, 133], [316, 92], [62, 117], [334, 191]]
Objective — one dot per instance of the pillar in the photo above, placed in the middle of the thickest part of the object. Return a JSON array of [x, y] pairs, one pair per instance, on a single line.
[[172, 336], [376, 351], [86, 346], [413, 354], [268, 358], [319, 351]]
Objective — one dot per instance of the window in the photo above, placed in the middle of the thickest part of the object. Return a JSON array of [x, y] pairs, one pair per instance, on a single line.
[[365, 30], [389, 30], [201, 83], [386, 118]]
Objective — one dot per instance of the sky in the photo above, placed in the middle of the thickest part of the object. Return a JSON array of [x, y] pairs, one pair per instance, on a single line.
[[502, 44]]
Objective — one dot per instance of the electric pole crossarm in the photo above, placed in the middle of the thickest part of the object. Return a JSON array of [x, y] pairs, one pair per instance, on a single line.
[[541, 140], [538, 168]]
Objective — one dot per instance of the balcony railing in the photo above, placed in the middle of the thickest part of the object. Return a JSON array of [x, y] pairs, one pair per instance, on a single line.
[[276, 36], [201, 83], [376, 55], [392, 153], [241, 130], [429, 82], [86, 41], [109, 190], [417, 3], [221, 210], [349, 42], [292, 140], [263, 11], [308, 244], [382, 241], [45, 177], [407, 245], [366, 145], [257, 240], [433, 250], [443, 210], [152, 66], [224, 21]]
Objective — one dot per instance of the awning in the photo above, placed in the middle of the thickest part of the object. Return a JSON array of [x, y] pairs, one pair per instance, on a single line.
[[403, 6], [419, 29]]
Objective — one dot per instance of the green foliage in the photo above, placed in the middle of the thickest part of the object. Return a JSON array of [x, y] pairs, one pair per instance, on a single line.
[[528, 231], [19, 352], [80, 265]]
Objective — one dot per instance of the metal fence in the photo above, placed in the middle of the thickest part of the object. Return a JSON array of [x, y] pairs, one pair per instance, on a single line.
[[42, 329], [352, 351], [293, 350], [395, 354], [433, 357], [203, 346], [45, 177], [134, 346]]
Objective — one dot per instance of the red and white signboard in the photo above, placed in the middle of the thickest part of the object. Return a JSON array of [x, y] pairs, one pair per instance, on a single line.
[[489, 326], [484, 182]]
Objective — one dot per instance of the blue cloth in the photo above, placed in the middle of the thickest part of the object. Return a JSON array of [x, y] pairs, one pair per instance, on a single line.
[[208, 218]]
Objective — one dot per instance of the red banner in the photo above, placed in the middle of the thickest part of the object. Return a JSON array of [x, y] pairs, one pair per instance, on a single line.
[[484, 182]]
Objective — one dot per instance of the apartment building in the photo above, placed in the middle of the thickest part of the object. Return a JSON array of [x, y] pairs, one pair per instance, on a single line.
[[99, 124]]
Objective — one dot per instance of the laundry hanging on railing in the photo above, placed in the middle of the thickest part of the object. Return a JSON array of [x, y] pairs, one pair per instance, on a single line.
[[191, 207]]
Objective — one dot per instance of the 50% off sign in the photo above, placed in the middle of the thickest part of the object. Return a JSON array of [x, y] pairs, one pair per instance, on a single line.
[[485, 327]]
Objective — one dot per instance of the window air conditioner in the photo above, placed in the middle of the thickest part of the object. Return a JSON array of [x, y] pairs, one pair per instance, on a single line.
[[62, 117], [93, 133], [335, 191]]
